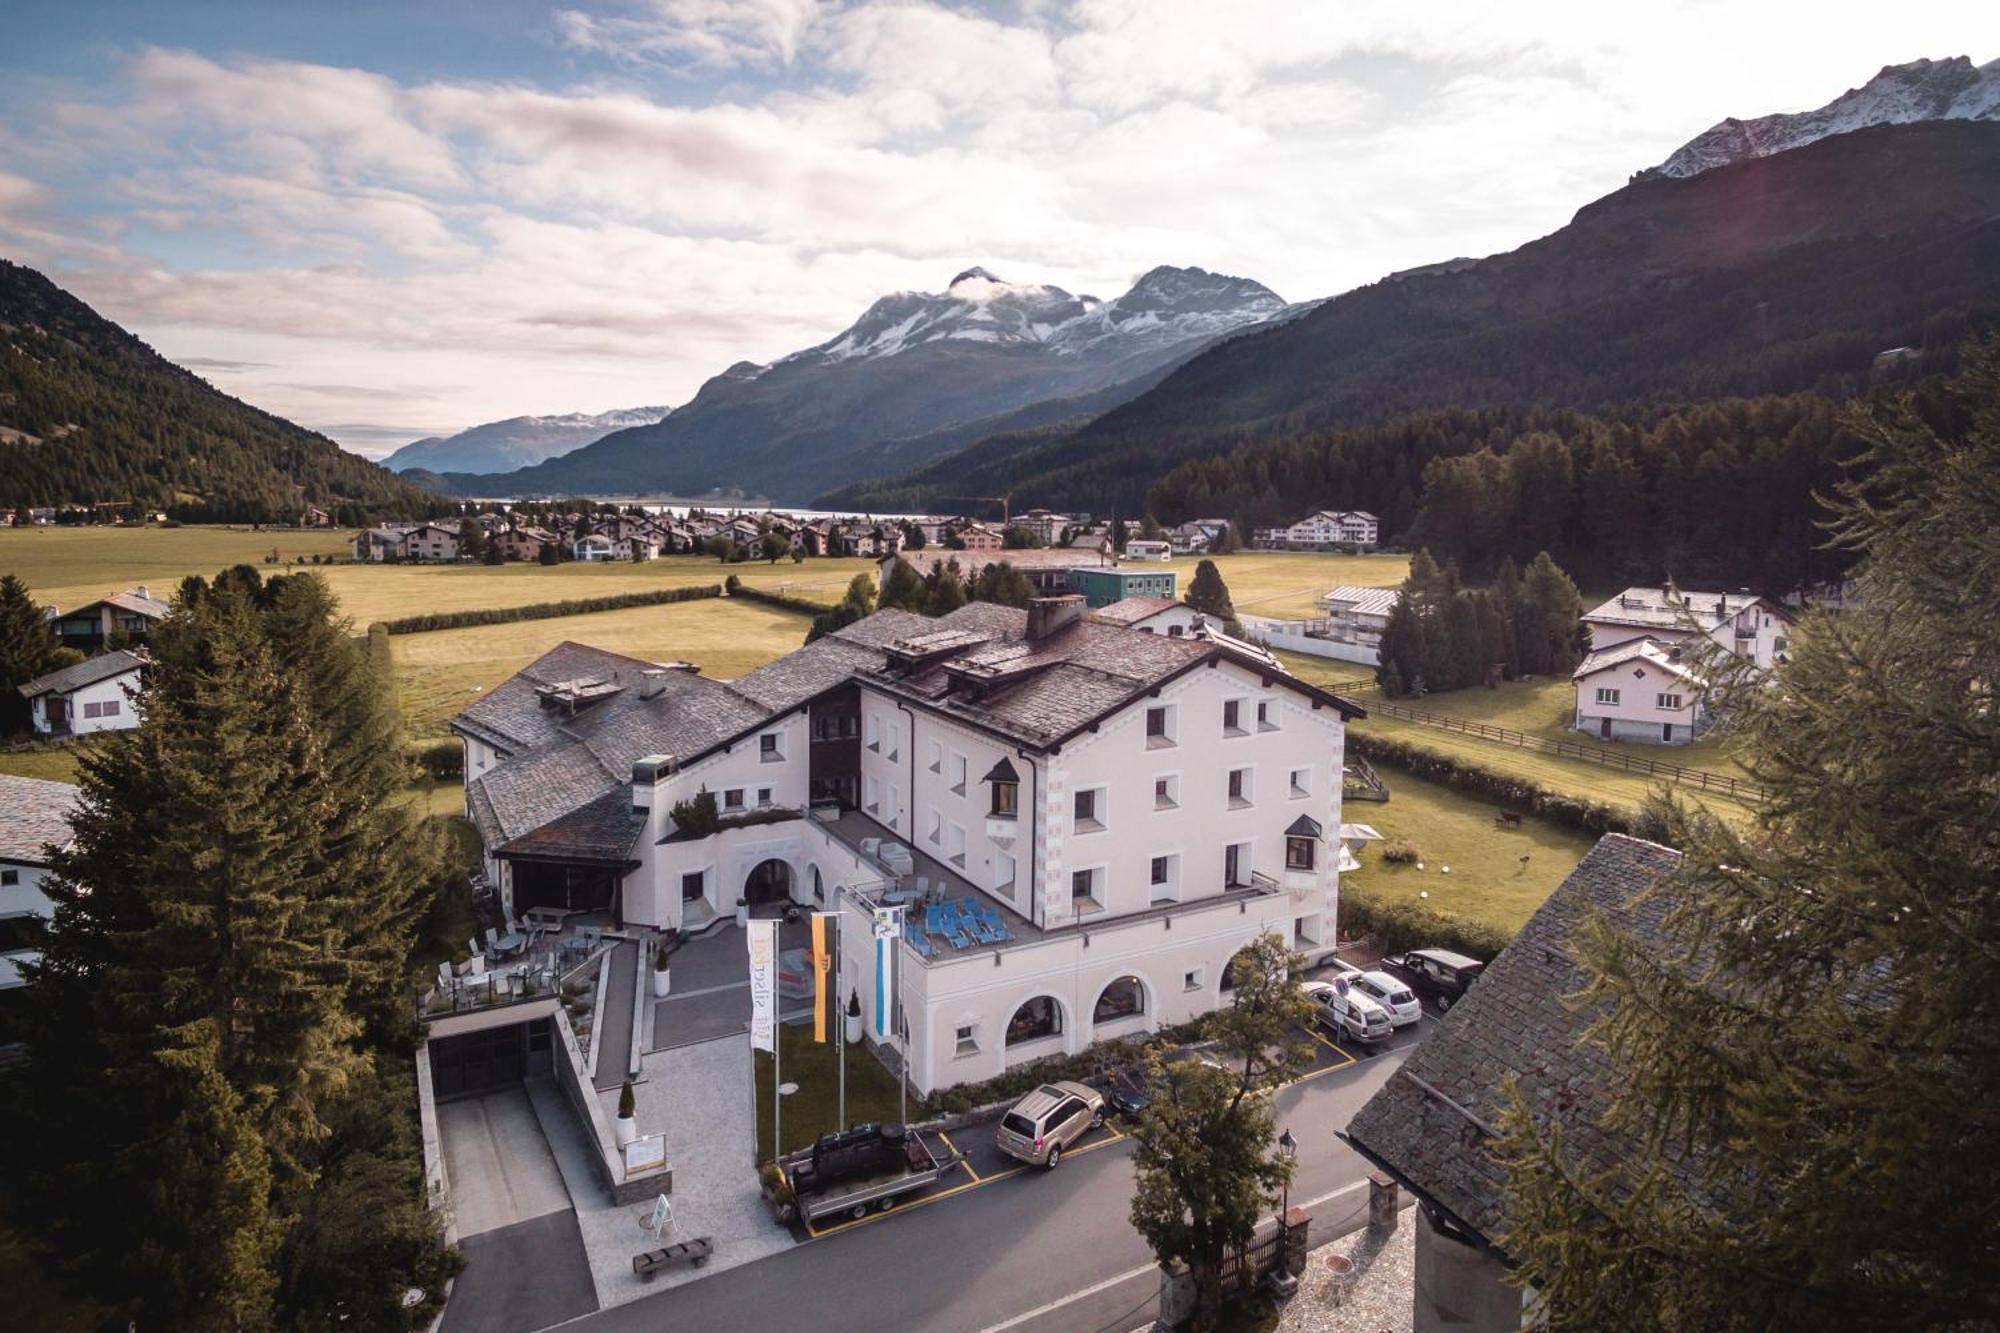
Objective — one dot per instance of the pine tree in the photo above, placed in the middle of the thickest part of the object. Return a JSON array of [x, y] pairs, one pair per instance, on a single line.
[[1208, 594], [944, 589], [1821, 1038], [27, 650], [1551, 610]]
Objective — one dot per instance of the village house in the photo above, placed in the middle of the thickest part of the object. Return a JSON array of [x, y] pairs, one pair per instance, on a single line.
[[593, 548], [523, 543], [978, 537], [1640, 690], [34, 819], [1326, 530], [315, 517], [92, 627], [1102, 585], [1068, 829], [1150, 615], [406, 541], [1433, 1120], [93, 695], [1045, 524], [1753, 628]]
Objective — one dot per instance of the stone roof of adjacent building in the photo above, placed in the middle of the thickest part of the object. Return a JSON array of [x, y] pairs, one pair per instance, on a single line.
[[1671, 608], [1431, 1122], [603, 829], [1364, 601], [105, 666], [1662, 655], [1132, 610], [136, 602], [34, 815]]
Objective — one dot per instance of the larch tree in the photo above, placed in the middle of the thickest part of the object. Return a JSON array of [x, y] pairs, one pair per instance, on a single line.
[[1810, 1078], [27, 649]]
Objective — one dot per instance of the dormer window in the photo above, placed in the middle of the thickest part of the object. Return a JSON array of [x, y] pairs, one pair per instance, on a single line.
[[1006, 790]]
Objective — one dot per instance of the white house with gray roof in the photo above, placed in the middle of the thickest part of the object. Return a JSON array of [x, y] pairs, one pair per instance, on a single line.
[[94, 695], [1079, 823], [34, 820]]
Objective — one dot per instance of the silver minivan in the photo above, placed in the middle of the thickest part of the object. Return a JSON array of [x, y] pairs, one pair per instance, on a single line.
[[1048, 1120]]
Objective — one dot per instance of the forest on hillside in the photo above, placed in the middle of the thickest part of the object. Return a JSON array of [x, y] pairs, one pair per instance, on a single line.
[[95, 416]]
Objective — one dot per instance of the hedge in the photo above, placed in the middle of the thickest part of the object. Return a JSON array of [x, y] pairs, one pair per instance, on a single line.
[[576, 606], [785, 601], [1089, 1063], [1463, 775], [1399, 926], [441, 760]]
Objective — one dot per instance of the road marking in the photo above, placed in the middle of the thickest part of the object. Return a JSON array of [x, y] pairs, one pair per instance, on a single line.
[[963, 1160], [1127, 1276]]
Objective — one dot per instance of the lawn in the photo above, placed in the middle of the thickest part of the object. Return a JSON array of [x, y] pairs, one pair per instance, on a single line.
[[1488, 881], [52, 763], [1287, 585], [439, 673], [71, 566], [815, 1108]]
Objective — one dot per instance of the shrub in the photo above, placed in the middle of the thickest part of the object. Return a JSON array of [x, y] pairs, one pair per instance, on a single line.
[[575, 606], [628, 1105], [1398, 926], [441, 759], [696, 817], [778, 599], [732, 585], [1401, 852]]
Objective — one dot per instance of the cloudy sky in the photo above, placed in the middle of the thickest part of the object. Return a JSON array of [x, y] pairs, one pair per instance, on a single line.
[[389, 218]]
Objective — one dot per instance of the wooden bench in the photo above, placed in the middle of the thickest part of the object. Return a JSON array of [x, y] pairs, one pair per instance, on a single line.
[[692, 1252]]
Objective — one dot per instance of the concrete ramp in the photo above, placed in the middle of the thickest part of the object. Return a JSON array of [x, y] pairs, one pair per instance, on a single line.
[[499, 1164]]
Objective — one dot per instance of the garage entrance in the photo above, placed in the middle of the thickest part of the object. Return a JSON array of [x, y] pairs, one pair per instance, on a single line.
[[472, 1063]]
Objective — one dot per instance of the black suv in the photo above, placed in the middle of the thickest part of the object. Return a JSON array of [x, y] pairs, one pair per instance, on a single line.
[[1440, 974]]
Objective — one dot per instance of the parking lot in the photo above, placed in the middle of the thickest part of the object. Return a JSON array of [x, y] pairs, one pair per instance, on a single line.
[[981, 1164]]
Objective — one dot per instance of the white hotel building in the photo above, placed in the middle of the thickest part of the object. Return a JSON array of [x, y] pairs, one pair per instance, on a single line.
[[1084, 822]]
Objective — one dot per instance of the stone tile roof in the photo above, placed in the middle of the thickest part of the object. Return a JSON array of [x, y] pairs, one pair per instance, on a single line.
[[1430, 1123], [1647, 649], [827, 662], [511, 714], [87, 672], [1668, 608], [1132, 610], [34, 814], [600, 830]]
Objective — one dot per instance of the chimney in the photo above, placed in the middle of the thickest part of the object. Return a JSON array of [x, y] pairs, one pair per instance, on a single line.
[[1046, 615], [1721, 608], [647, 774], [652, 681], [141, 591]]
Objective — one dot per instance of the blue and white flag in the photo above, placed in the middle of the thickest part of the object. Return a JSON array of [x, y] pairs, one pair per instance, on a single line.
[[885, 975]]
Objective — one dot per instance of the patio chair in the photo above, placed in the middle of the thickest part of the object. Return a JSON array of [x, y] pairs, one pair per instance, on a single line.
[[960, 940], [472, 945], [444, 978]]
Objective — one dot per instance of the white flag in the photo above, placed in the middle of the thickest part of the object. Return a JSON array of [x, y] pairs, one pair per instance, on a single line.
[[762, 938], [885, 975]]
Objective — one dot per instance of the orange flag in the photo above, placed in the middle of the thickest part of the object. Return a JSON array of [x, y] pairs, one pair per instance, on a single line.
[[822, 970]]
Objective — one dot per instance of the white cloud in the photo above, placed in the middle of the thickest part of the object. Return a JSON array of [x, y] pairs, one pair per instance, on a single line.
[[473, 249]]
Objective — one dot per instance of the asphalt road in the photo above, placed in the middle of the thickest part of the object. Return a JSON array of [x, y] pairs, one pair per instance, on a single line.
[[1036, 1252]]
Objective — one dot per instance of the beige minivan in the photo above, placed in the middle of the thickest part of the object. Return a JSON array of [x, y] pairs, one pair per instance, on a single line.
[[1048, 1120]]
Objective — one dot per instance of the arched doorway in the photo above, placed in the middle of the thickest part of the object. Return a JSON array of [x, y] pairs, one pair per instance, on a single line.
[[1238, 960], [770, 882], [1123, 998]]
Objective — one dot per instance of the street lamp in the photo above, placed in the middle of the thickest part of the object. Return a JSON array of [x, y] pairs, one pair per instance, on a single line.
[[1288, 1152]]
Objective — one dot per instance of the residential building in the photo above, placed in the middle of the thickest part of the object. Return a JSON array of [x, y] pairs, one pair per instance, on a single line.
[[1754, 628], [93, 695], [977, 538], [92, 627], [523, 543], [1431, 1124], [594, 548], [1049, 571], [1046, 524], [1197, 536], [315, 517], [1358, 616], [1151, 615], [34, 820], [1103, 586], [374, 545], [406, 541], [1326, 530], [1640, 690], [1100, 818]]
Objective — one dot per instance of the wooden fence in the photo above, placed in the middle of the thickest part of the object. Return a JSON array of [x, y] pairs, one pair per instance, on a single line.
[[1698, 778]]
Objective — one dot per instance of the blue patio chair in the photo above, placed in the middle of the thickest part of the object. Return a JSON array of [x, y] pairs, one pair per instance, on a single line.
[[931, 920], [959, 940]]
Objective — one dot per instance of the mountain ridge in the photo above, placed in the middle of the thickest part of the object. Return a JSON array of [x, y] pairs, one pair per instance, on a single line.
[[513, 442]]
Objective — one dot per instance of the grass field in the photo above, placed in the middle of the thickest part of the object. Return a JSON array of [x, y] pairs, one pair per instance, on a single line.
[[1287, 585], [1488, 881], [439, 673], [815, 1108]]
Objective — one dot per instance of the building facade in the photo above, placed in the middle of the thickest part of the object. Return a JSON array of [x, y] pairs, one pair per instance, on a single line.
[[94, 695], [1753, 628], [1070, 827], [1100, 586], [1327, 530], [34, 818], [1642, 691]]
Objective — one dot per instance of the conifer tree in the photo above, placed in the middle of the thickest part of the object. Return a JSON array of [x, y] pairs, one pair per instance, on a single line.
[[1820, 1039], [1208, 594], [903, 589], [27, 649]]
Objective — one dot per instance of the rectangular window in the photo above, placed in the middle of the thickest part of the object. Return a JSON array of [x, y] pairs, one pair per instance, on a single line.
[[767, 749], [91, 709], [1192, 981], [935, 822], [763, 798], [936, 757], [1608, 697], [1159, 870], [968, 1039], [1301, 784], [1670, 701], [1089, 810], [874, 733], [1006, 800], [872, 803], [732, 799], [1239, 788], [958, 773], [1267, 715], [1299, 853], [1167, 793], [1159, 728], [1081, 883], [1232, 718], [692, 884], [1003, 874], [1236, 865], [954, 844]]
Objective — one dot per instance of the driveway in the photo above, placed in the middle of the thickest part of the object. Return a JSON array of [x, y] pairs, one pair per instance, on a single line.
[[498, 1162]]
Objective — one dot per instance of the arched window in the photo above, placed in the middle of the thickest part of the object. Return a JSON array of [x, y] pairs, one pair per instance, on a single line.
[[1038, 1018], [819, 889], [1121, 999], [1240, 957]]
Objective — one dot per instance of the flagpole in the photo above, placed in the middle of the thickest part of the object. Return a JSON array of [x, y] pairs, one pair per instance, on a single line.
[[902, 1028], [777, 1085], [840, 1012]]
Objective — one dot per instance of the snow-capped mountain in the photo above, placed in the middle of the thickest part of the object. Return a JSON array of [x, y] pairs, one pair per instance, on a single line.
[[1951, 89], [1166, 305], [500, 446], [919, 374]]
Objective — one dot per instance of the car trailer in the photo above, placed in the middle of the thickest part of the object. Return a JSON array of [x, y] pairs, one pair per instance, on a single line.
[[869, 1166]]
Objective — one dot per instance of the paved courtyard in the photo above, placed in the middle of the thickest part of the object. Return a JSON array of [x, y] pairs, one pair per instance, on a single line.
[[711, 988]]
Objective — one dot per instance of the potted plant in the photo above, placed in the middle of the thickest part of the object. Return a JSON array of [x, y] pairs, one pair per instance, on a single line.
[[777, 1192], [662, 972], [853, 1018], [627, 1128]]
